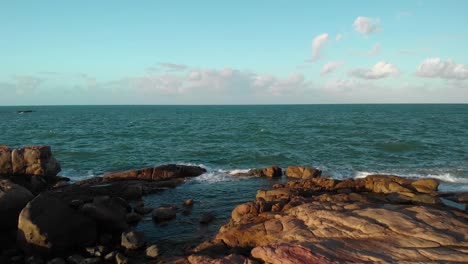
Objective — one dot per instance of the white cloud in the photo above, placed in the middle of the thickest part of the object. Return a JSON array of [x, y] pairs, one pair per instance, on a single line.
[[173, 66], [277, 86], [27, 83], [366, 25], [317, 44], [340, 85], [379, 70], [437, 68], [338, 37], [375, 50], [331, 67]]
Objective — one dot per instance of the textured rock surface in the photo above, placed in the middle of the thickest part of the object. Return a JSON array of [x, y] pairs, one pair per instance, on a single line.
[[162, 172], [47, 225], [164, 213], [273, 171], [302, 172], [327, 221], [133, 240], [13, 198], [109, 213], [32, 160]]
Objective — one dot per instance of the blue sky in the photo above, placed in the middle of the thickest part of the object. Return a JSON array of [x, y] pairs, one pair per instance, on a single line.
[[233, 52]]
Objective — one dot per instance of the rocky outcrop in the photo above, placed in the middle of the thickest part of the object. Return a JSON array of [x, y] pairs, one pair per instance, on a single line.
[[163, 172], [33, 167], [273, 171], [30, 161], [48, 225], [108, 212], [164, 213], [331, 221], [302, 172]]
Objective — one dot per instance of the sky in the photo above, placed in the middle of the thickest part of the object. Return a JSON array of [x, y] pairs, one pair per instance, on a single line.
[[233, 52]]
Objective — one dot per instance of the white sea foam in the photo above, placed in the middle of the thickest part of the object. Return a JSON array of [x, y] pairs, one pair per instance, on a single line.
[[236, 171], [214, 177]]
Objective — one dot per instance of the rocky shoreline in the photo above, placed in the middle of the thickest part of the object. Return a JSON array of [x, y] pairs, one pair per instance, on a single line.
[[44, 218]]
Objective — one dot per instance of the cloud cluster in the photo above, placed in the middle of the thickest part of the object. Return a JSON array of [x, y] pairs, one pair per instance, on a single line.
[[437, 68], [331, 67], [379, 70], [317, 44], [173, 66], [366, 25]]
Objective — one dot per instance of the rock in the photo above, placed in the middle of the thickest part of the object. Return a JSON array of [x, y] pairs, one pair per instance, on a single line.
[[336, 226], [13, 198], [206, 218], [302, 172], [230, 259], [143, 210], [121, 259], [152, 251], [426, 185], [133, 192], [6, 167], [97, 251], [133, 218], [75, 259], [133, 240], [188, 203], [91, 261], [57, 261], [76, 203], [273, 171], [111, 256], [34, 161], [288, 254], [34, 260], [163, 172], [47, 225], [164, 213], [16, 259], [109, 213]]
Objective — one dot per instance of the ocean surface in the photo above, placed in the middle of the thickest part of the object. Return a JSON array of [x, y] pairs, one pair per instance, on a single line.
[[343, 140]]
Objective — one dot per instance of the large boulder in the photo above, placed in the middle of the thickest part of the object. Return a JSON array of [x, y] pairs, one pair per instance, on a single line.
[[273, 171], [164, 213], [109, 213], [34, 161], [162, 172], [288, 254], [13, 198], [302, 172], [426, 185], [47, 225], [5, 161]]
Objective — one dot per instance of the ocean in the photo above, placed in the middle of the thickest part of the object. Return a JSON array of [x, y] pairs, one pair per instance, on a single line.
[[342, 140]]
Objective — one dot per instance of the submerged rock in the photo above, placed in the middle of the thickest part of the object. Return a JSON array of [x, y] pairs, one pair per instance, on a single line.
[[164, 213]]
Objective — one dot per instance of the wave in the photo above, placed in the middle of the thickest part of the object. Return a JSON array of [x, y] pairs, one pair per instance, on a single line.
[[443, 177]]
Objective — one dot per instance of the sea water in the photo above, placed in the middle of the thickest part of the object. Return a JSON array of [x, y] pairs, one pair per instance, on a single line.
[[342, 140]]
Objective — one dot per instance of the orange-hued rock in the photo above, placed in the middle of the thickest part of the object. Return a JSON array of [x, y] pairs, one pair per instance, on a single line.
[[381, 218], [28, 161], [302, 172], [426, 185]]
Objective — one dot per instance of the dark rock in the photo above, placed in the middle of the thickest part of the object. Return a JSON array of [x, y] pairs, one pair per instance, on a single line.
[[57, 261], [164, 213], [13, 198], [133, 218], [76, 203], [207, 218], [75, 259], [91, 261], [133, 240], [109, 213], [47, 225], [157, 173], [34, 260], [111, 256], [143, 210]]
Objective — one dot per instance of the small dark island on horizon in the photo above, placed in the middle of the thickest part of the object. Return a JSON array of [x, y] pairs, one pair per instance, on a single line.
[[311, 219]]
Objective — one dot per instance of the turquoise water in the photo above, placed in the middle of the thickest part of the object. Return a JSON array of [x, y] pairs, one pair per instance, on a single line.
[[342, 140]]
